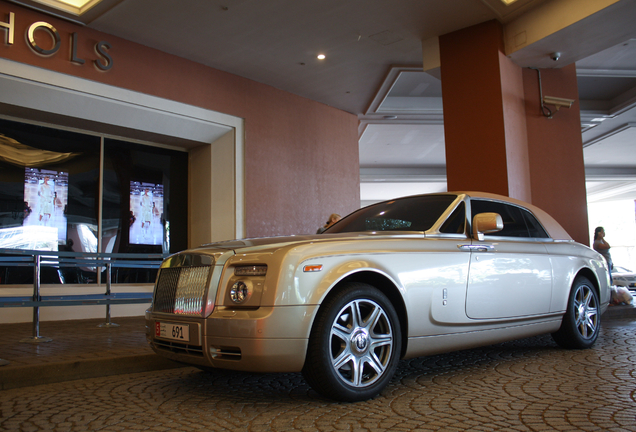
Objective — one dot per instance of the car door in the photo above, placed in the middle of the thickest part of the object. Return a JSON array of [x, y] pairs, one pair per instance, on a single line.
[[510, 273]]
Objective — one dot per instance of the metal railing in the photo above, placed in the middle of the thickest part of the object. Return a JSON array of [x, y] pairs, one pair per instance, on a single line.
[[38, 259]]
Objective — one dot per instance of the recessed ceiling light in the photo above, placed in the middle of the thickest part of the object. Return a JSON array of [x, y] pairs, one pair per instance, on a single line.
[[75, 7], [508, 2], [321, 56]]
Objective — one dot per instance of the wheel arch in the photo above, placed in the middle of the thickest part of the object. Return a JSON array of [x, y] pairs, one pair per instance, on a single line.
[[560, 297], [387, 287], [591, 276]]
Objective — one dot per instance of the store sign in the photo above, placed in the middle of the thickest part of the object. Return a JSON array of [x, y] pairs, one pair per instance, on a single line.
[[103, 61]]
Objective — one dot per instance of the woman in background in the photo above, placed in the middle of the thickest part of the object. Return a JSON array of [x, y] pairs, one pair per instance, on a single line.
[[601, 246], [333, 218]]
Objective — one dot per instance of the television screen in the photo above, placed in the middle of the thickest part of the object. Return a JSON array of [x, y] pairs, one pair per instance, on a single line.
[[45, 203], [146, 211]]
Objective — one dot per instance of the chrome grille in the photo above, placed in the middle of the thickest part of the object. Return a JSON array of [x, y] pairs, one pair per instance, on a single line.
[[181, 290]]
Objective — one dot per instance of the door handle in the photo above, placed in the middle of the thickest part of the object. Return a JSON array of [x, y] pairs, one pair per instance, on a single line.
[[475, 248]]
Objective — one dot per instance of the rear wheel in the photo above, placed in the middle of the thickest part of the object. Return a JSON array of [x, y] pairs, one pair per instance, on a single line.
[[354, 345], [582, 320]]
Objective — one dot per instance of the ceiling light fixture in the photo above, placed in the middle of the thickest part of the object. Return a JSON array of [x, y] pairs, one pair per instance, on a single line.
[[75, 7], [321, 57], [80, 12], [508, 2]]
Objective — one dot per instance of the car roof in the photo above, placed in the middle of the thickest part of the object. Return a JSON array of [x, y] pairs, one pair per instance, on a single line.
[[554, 229]]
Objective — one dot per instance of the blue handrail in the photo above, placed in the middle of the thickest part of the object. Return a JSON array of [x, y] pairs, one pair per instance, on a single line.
[[37, 259]]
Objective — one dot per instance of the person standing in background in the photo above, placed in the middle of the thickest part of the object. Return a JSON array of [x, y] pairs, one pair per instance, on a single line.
[[46, 201], [333, 218], [601, 246]]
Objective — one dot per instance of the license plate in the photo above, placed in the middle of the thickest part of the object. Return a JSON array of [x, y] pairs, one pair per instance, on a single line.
[[180, 332]]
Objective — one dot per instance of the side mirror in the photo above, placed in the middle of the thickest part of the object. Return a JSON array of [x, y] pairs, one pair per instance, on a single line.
[[484, 223]]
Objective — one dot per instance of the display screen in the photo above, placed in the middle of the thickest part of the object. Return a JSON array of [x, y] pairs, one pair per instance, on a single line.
[[45, 203], [146, 212]]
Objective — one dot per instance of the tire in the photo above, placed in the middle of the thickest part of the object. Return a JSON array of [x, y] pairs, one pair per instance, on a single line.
[[582, 320], [355, 344]]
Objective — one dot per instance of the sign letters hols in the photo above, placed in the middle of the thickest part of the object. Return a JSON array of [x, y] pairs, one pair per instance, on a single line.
[[103, 61]]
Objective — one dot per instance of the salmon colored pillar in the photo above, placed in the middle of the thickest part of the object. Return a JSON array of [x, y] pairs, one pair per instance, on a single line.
[[497, 139], [555, 150], [484, 114]]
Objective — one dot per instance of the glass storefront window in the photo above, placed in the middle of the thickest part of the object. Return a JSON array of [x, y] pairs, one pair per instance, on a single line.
[[49, 199], [144, 202]]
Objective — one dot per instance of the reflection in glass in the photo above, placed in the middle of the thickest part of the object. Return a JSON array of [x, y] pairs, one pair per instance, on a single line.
[[49, 180], [417, 213]]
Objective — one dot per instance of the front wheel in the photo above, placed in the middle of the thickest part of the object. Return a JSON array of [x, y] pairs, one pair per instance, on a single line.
[[582, 320], [355, 344]]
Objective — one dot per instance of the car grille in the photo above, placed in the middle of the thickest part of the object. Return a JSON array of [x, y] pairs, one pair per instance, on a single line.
[[181, 290]]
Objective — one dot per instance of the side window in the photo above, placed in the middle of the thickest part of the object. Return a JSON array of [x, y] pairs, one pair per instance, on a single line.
[[456, 222], [513, 219], [534, 227]]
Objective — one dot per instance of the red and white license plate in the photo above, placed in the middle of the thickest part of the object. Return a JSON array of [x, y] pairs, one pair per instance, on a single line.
[[180, 332]]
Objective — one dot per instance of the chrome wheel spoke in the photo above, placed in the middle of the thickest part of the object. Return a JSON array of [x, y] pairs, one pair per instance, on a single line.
[[376, 364], [373, 318], [590, 321], [378, 342], [343, 359], [342, 333], [356, 315], [358, 372]]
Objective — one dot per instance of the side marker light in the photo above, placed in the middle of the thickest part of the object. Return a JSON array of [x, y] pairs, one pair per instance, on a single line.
[[312, 268]]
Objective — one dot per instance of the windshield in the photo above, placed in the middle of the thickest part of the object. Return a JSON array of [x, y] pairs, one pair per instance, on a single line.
[[417, 213]]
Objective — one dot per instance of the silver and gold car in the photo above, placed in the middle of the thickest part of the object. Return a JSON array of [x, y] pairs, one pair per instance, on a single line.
[[403, 278]]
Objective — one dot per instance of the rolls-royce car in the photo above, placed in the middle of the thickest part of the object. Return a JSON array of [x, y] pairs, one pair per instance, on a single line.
[[408, 277]]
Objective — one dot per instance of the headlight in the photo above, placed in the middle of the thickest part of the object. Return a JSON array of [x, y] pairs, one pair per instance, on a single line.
[[244, 285], [240, 292]]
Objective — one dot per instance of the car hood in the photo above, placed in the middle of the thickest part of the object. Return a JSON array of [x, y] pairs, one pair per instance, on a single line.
[[264, 243], [256, 242]]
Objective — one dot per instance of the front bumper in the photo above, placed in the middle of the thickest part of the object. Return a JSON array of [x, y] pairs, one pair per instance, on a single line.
[[272, 339]]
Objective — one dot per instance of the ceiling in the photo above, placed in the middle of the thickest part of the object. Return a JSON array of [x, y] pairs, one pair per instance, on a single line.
[[374, 69]]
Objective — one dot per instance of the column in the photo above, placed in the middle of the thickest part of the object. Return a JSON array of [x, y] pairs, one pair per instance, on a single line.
[[498, 140]]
